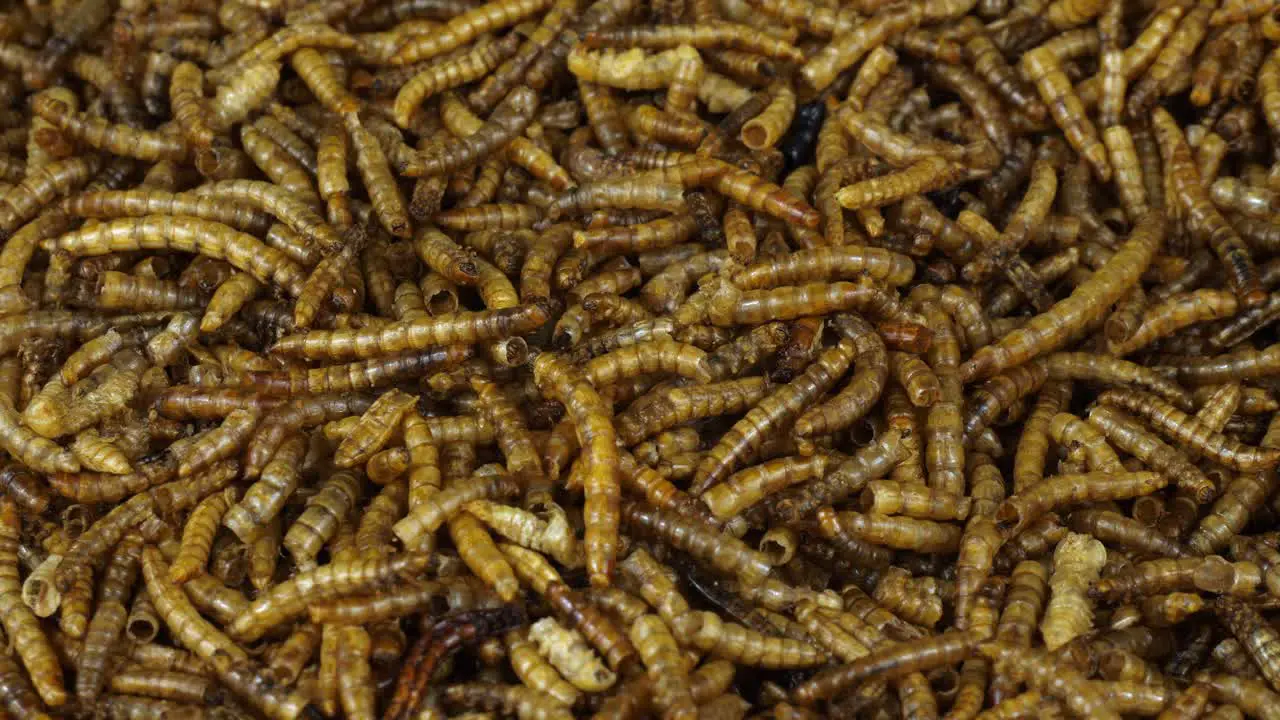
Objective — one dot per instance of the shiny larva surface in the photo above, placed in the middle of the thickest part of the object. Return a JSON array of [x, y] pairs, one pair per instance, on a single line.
[[603, 358]]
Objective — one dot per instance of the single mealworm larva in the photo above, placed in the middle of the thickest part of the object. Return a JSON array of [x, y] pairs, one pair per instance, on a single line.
[[266, 498], [1049, 330], [725, 553], [32, 450], [705, 630], [522, 527], [1257, 637], [749, 433], [902, 532], [751, 485], [442, 506], [1192, 432], [916, 600], [315, 71], [290, 598], [219, 443], [889, 498], [557, 380], [197, 535], [1023, 508], [864, 387], [1122, 430], [331, 174], [483, 556], [1208, 574], [187, 102], [109, 618], [576, 662], [33, 651], [189, 234], [535, 671], [1190, 193], [1228, 515], [666, 669], [1044, 70], [39, 591], [1112, 527], [119, 139], [439, 77], [277, 164], [334, 500], [374, 428], [465, 27], [379, 182], [283, 43], [1175, 312], [871, 462], [248, 90], [896, 661], [180, 615]]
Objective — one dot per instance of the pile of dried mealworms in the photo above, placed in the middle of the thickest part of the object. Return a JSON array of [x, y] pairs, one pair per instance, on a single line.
[[599, 358]]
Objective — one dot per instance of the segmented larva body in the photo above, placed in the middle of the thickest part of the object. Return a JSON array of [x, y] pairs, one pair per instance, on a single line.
[[730, 641], [791, 277], [30, 642], [1113, 527], [748, 487], [461, 328], [871, 370], [1210, 574], [749, 433], [465, 27], [290, 598], [596, 435], [1192, 432], [197, 536], [535, 671], [266, 497], [180, 615], [448, 503], [1077, 561], [1051, 329], [281, 44], [1049, 677], [108, 619], [188, 234], [277, 164], [319, 521], [440, 77], [1190, 192], [1228, 515], [1023, 508], [1258, 639], [374, 428], [1043, 69], [726, 553], [576, 662], [118, 139]]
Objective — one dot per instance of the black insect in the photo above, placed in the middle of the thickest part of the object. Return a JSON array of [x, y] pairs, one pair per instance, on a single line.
[[802, 137]]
